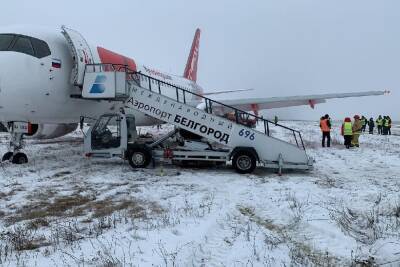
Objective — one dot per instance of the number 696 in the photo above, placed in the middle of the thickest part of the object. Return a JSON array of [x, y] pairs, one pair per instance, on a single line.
[[246, 134]]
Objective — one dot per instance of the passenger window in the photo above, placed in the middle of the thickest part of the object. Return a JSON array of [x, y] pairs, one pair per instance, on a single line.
[[23, 45], [41, 48], [5, 41]]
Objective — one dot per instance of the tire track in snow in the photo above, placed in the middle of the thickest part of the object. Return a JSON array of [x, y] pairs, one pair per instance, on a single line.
[[213, 248], [214, 245]]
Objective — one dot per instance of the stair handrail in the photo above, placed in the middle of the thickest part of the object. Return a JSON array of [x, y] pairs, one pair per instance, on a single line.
[[132, 75]]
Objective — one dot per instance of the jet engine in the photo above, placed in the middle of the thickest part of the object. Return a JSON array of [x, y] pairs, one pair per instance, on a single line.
[[49, 131]]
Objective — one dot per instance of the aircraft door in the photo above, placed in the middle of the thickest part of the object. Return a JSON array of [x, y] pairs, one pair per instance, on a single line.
[[81, 54]]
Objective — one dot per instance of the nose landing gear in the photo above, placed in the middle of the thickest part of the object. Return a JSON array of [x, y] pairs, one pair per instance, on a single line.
[[18, 158], [16, 144]]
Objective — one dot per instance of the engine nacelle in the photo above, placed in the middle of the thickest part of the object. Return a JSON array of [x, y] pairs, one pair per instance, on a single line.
[[49, 131]]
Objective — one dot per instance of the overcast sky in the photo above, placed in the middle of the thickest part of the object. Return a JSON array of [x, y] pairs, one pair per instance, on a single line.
[[280, 48]]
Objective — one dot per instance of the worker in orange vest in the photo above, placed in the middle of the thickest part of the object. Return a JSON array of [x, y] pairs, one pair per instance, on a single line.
[[325, 125]]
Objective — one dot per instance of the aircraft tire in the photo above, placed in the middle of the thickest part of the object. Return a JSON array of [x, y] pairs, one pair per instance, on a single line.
[[7, 156], [20, 158]]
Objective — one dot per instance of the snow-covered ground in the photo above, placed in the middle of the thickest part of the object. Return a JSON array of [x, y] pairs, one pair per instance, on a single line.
[[63, 209]]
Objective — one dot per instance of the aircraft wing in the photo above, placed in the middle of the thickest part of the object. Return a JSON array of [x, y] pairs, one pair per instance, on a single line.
[[253, 104], [227, 91]]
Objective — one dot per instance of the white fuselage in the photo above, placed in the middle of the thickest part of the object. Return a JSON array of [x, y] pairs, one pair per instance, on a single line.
[[33, 90]]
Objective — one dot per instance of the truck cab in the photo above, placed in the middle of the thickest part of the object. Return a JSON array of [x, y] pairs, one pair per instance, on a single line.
[[107, 138]]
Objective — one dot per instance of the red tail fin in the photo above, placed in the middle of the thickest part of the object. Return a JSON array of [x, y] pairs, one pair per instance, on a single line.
[[191, 65]]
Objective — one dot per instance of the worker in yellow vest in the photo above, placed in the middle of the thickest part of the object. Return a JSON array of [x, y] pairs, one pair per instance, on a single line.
[[379, 124], [325, 125], [385, 125], [356, 131], [347, 132]]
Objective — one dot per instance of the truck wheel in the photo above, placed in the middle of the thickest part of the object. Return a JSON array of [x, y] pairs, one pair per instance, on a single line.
[[244, 162], [139, 157]]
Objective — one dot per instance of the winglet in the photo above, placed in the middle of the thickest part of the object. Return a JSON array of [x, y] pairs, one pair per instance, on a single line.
[[191, 65]]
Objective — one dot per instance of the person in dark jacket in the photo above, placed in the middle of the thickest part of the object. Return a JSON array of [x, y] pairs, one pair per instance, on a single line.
[[371, 125], [389, 125], [364, 122]]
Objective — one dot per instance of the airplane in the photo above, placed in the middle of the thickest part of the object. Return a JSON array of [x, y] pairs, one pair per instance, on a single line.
[[42, 72]]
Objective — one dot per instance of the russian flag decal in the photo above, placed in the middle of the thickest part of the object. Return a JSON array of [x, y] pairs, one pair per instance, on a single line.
[[56, 63]]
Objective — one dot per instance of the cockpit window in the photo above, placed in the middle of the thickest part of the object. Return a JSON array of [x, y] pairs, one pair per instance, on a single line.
[[41, 48], [23, 45], [5, 41]]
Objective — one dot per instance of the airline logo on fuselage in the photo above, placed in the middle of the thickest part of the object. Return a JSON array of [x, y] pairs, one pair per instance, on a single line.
[[157, 73], [98, 86]]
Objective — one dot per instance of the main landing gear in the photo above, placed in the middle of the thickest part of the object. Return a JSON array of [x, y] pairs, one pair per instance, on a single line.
[[16, 144]]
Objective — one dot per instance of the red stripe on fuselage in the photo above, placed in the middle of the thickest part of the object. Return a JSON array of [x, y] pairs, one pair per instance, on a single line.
[[107, 56]]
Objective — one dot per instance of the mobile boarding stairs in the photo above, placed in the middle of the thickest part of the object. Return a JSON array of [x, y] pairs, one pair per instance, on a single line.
[[201, 116]]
